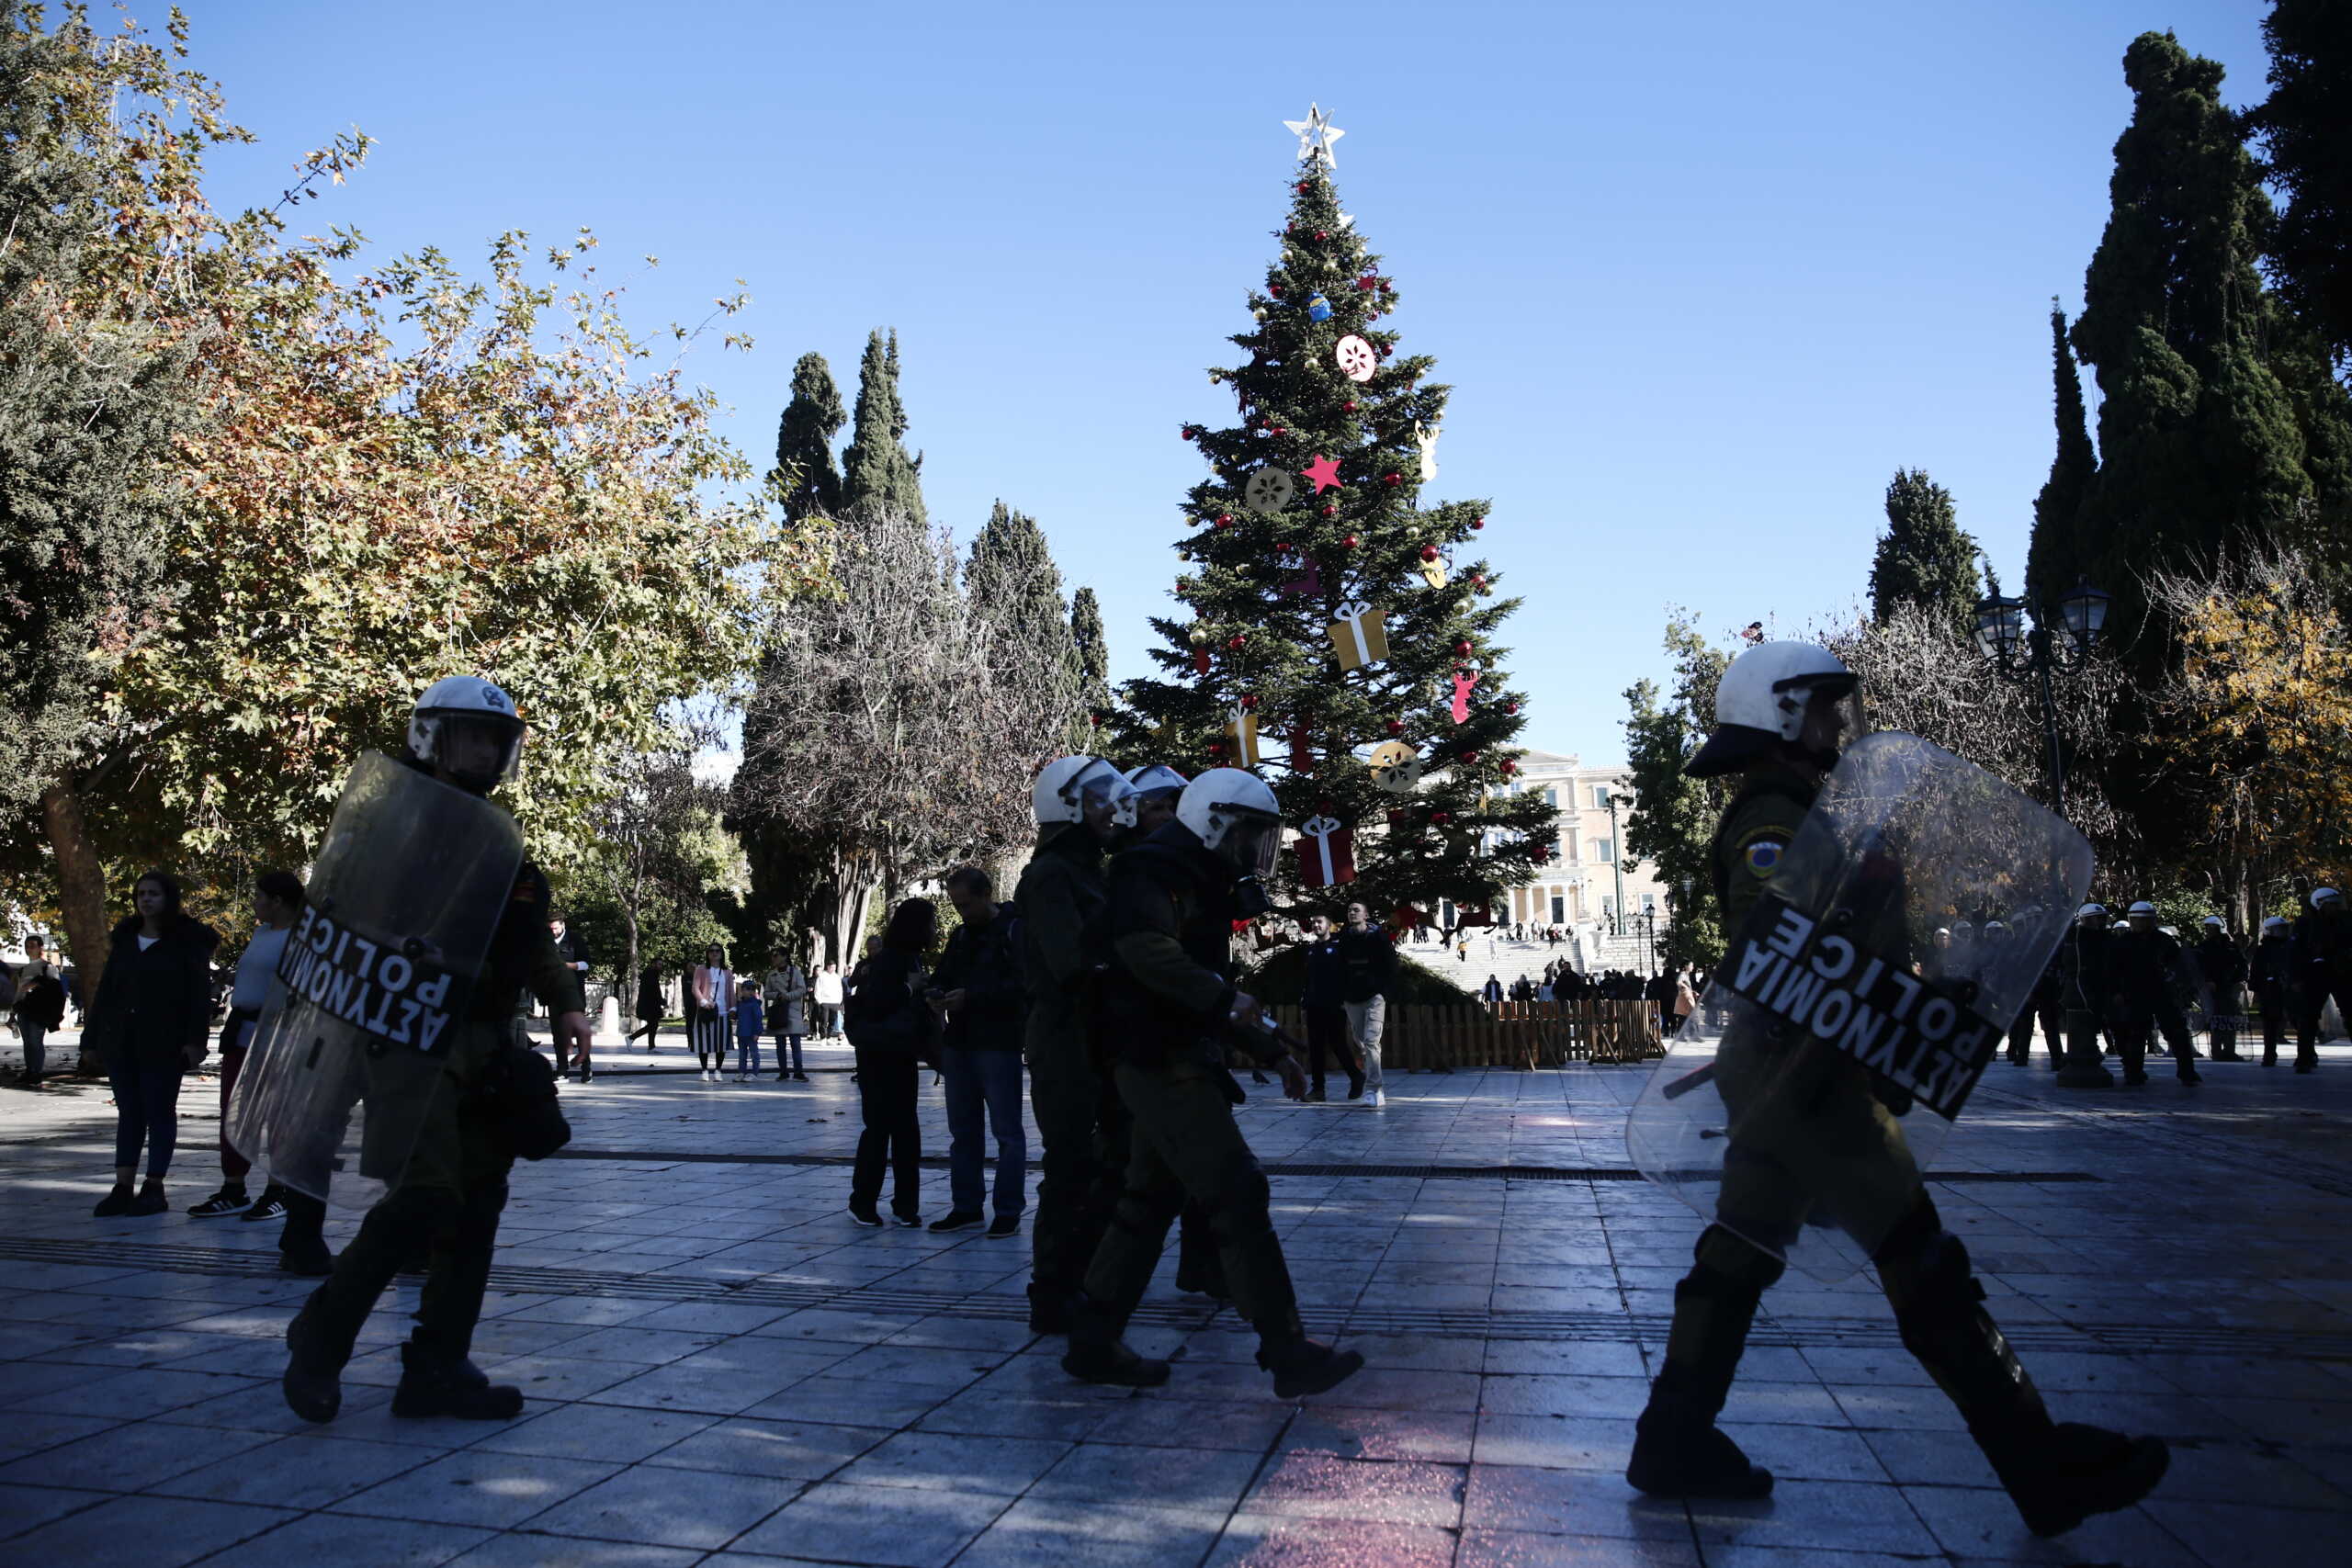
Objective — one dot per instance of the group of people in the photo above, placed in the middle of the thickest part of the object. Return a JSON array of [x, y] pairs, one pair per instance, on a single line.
[[2119, 989], [1112, 971]]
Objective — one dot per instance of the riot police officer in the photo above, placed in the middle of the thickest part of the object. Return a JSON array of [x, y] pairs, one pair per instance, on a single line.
[[1783, 712], [2220, 964], [2322, 970], [1170, 1019], [2043, 1004], [2084, 988], [2271, 973], [445, 1201], [1080, 804], [2143, 962]]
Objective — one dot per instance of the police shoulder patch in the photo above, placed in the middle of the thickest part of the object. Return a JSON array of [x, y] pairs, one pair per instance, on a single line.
[[1761, 851]]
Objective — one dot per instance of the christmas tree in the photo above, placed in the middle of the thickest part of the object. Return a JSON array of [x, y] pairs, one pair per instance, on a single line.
[[1341, 636]]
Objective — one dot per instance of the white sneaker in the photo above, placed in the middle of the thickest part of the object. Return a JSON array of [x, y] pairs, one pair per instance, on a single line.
[[1376, 1100]]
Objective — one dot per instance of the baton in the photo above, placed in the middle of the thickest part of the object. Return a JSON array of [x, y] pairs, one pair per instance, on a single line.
[[1697, 1077]]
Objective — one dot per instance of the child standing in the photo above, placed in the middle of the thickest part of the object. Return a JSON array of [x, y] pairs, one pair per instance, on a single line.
[[748, 1024]]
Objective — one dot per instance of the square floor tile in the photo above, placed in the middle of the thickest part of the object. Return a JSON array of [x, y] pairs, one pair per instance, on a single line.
[[305, 1472], [379, 1543], [791, 1451], [955, 1462], [897, 1527], [1321, 1485], [143, 1532], [663, 1507], [488, 1489]]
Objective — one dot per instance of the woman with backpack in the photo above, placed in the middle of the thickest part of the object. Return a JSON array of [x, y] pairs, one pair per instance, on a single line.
[[893, 1026]]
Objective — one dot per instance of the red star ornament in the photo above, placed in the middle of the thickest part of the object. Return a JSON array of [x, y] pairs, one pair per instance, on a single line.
[[1324, 473]]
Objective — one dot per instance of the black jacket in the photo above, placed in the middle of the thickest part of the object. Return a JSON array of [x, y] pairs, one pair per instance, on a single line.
[[981, 964], [154, 1002], [2273, 970], [572, 949], [1325, 978], [2221, 961], [886, 1010], [1368, 963], [1167, 989], [2142, 965], [2323, 949]]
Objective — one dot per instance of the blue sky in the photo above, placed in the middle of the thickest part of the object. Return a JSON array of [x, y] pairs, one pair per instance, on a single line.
[[1702, 276]]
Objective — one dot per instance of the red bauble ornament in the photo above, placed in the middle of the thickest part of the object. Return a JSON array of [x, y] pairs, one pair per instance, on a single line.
[[1395, 726], [1334, 511], [1440, 817], [1225, 519], [1349, 542], [1478, 522], [1185, 431], [1275, 430], [1275, 289], [1540, 854], [1511, 707], [1463, 649], [1477, 579], [1248, 700], [1303, 187], [1509, 767], [1350, 406], [1392, 479], [1235, 643], [1429, 552], [1469, 758], [1216, 748]]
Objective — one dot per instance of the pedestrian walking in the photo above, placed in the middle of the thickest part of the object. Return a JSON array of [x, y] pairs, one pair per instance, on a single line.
[[786, 989], [2323, 971], [650, 1004], [150, 1020], [978, 983], [2220, 964], [750, 1020], [1830, 1149], [711, 1000], [1078, 803], [829, 992], [460, 1121], [40, 1007], [574, 953], [1368, 968], [1169, 1020], [278, 899], [1325, 1002], [2143, 963], [894, 1029], [2271, 973]]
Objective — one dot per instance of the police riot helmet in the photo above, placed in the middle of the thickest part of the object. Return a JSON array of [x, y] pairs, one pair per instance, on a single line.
[[1157, 779], [2141, 910], [1781, 698], [2324, 896], [2215, 923], [2090, 911], [1996, 930], [1962, 932], [466, 729], [1236, 816], [2275, 925], [1068, 784]]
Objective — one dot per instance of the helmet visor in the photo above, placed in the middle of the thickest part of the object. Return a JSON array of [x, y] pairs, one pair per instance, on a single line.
[[1251, 841], [477, 748], [1831, 716], [1103, 789]]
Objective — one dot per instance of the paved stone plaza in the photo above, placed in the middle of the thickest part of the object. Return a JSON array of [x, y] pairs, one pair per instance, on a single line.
[[723, 1370]]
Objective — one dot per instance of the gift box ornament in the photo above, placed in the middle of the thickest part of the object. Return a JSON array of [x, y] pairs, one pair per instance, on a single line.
[[1327, 852], [1360, 635], [1241, 737]]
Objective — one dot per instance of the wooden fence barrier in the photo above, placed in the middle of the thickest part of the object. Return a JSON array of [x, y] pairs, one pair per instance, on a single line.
[[1509, 1034]]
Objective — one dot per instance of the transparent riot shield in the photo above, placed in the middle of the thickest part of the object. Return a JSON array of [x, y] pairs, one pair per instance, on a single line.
[[1847, 1039], [348, 1054]]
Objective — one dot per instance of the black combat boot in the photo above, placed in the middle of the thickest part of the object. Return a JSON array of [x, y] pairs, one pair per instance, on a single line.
[[435, 1386], [313, 1389], [1049, 1310], [1098, 1354], [1678, 1450], [1301, 1366], [2057, 1475]]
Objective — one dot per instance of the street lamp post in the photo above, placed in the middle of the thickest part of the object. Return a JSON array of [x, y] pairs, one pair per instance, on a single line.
[[2019, 654], [1616, 864]]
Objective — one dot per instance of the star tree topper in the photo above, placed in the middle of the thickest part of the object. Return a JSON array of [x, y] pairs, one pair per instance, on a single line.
[[1316, 133]]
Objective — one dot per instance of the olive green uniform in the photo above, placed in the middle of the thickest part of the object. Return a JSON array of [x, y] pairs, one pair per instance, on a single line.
[[1165, 1005], [447, 1163], [1060, 903], [1817, 1136]]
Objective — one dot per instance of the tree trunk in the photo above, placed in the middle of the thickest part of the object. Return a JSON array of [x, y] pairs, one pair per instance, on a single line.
[[81, 894], [627, 982]]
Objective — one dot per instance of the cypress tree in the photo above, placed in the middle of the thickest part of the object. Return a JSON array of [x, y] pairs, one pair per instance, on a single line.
[[1016, 589], [1923, 558], [2199, 446], [1314, 503], [2053, 557], [2305, 127], [876, 469], [1093, 655], [810, 482]]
